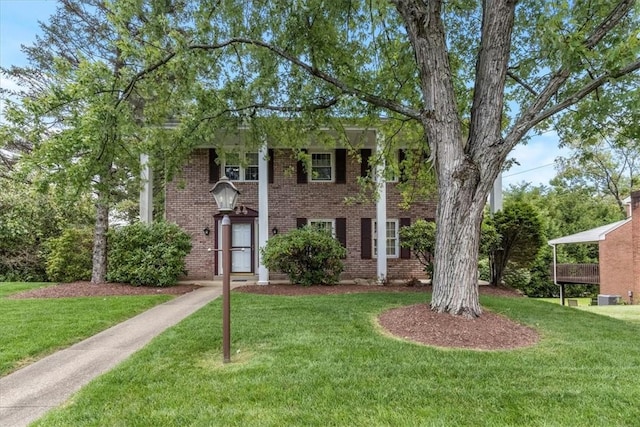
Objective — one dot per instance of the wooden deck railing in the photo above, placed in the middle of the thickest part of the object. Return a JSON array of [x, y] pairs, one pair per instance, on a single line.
[[577, 273]]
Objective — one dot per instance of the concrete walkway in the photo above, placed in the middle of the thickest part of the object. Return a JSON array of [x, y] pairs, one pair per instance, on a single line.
[[29, 393]]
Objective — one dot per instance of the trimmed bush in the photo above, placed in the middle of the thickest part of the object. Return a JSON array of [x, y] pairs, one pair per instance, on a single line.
[[420, 237], [69, 256], [308, 256], [143, 254]]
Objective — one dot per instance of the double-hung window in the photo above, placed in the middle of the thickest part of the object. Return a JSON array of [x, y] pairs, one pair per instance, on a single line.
[[322, 167], [392, 243], [241, 166], [327, 225]]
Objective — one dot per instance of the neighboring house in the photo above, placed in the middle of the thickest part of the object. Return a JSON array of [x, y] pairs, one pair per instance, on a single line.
[[619, 256], [280, 193]]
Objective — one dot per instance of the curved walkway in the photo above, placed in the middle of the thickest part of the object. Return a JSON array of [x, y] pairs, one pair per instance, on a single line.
[[27, 394]]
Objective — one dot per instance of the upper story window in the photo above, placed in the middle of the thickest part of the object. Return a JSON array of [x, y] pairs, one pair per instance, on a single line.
[[322, 167], [392, 240], [327, 225], [241, 166]]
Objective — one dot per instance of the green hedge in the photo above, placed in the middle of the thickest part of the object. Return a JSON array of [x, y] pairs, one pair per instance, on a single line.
[[152, 255], [69, 257], [307, 256]]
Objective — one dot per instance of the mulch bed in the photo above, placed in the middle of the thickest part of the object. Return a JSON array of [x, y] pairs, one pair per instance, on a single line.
[[87, 289], [490, 331], [416, 323]]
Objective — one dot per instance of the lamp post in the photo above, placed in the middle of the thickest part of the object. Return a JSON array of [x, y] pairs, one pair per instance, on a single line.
[[226, 196]]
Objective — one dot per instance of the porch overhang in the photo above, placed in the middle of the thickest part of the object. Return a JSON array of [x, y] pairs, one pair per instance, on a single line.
[[594, 235]]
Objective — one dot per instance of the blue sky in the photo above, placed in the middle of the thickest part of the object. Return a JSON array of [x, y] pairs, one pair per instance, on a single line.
[[19, 25]]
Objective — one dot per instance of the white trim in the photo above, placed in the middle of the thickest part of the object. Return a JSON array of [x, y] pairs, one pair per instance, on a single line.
[[332, 159], [381, 205], [263, 211], [590, 236]]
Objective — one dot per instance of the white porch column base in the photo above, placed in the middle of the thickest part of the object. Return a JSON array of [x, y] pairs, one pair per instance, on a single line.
[[263, 209], [381, 212]]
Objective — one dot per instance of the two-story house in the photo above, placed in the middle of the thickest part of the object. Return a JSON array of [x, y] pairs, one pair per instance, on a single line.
[[279, 192]]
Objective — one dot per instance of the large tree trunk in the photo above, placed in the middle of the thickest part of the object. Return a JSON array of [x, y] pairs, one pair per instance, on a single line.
[[458, 223], [99, 270], [465, 166]]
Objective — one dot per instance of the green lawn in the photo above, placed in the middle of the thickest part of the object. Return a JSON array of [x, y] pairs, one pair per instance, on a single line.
[[321, 361], [33, 328], [582, 302], [630, 313]]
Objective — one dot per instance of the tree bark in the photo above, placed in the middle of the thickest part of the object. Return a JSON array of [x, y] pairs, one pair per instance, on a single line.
[[465, 169], [99, 270]]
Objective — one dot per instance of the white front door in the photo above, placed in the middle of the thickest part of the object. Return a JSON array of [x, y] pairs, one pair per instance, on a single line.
[[241, 245]]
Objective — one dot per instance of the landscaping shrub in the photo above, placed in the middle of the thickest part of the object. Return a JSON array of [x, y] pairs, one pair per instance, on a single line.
[[307, 256], [143, 254], [518, 278], [69, 256], [420, 237]]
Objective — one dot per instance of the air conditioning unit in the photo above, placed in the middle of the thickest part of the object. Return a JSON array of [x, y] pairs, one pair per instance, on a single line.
[[608, 299]]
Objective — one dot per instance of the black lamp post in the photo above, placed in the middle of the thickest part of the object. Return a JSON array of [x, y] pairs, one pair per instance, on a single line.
[[226, 196]]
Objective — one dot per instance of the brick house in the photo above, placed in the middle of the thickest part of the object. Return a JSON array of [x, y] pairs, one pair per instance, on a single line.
[[618, 252], [280, 193]]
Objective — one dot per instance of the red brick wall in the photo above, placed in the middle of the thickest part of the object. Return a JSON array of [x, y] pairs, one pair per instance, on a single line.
[[190, 205], [635, 207], [616, 262]]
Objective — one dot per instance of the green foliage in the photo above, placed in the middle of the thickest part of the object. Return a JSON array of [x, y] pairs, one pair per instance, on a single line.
[[69, 256], [28, 219], [484, 270], [515, 277], [420, 237], [143, 254], [521, 236], [563, 211], [308, 256]]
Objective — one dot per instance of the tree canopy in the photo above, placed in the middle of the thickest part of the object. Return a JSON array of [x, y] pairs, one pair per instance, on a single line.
[[474, 77]]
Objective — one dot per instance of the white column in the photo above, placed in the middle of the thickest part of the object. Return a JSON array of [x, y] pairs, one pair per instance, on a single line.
[[495, 198], [381, 210], [146, 190], [263, 211]]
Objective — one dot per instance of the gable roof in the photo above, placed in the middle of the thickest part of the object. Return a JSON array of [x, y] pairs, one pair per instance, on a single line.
[[590, 236]]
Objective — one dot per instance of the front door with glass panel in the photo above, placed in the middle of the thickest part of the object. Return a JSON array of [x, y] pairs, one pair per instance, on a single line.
[[241, 256]]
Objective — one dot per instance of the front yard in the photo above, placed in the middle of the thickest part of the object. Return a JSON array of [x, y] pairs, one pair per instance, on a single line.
[[32, 328], [322, 360]]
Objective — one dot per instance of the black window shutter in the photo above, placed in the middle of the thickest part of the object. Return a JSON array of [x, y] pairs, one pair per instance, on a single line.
[[301, 171], [301, 222], [341, 231], [401, 157], [405, 253], [271, 155], [365, 238], [365, 155], [341, 166], [214, 167]]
